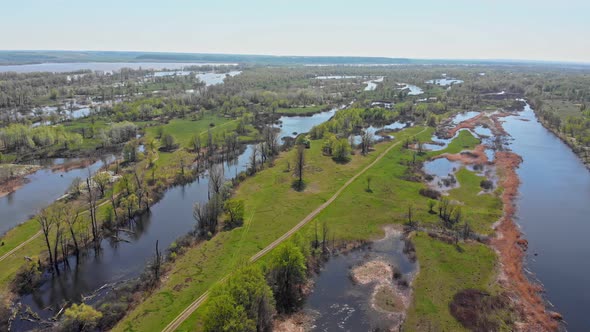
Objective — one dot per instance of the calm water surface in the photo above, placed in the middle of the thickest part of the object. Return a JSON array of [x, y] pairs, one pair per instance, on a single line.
[[554, 213], [45, 186], [338, 304]]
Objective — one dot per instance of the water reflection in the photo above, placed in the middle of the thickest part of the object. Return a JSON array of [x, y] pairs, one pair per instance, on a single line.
[[337, 303], [553, 212], [44, 187]]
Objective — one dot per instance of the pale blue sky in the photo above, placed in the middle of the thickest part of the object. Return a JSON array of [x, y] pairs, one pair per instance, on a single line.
[[465, 29]]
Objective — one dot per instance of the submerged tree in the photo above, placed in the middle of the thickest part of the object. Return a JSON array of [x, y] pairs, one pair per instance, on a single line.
[[47, 219]]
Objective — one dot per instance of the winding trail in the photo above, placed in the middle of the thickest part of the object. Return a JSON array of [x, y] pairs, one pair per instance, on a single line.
[[174, 324]]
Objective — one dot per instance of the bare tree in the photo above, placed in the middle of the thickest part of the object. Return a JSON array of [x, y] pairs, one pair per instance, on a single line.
[[324, 237], [410, 215], [71, 217], [271, 140], [216, 179], [206, 215], [91, 197], [157, 264], [58, 238], [366, 142], [253, 160], [299, 166], [47, 220]]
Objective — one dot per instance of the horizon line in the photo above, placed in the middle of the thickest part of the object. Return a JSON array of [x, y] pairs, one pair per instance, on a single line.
[[513, 60]]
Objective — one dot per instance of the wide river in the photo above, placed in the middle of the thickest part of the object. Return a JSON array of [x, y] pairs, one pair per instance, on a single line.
[[554, 213]]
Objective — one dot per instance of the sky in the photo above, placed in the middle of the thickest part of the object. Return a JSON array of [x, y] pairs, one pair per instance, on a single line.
[[430, 29]]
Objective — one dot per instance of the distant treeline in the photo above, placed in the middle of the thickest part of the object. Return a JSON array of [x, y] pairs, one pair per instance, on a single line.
[[32, 57]]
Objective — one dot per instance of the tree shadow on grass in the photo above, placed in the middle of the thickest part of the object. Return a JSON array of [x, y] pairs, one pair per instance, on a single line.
[[341, 161], [298, 185]]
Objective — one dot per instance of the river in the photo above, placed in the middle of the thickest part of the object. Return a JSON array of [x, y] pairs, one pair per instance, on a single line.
[[553, 210], [43, 187], [168, 219]]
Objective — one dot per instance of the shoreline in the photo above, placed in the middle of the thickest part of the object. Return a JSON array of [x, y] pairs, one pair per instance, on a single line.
[[510, 245], [14, 183], [576, 149], [509, 242]]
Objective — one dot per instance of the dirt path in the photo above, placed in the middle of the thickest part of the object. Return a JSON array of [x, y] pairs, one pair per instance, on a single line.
[[15, 249], [193, 306]]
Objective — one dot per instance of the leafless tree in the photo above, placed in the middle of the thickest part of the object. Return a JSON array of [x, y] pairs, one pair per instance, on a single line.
[[253, 159], [47, 221], [216, 179], [299, 166], [366, 142], [91, 197], [71, 217]]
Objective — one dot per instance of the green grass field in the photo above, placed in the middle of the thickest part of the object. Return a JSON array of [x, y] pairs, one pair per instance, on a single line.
[[184, 129], [272, 208], [270, 213], [444, 271], [480, 210]]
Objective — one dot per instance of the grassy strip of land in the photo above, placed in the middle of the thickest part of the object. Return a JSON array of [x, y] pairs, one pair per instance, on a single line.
[[184, 129], [480, 209], [272, 204], [274, 208], [445, 270], [360, 212]]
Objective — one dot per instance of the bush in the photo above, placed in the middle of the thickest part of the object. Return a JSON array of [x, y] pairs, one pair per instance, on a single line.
[[430, 193], [168, 143], [248, 291], [224, 315], [28, 277], [81, 317], [234, 209], [486, 184], [111, 314]]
